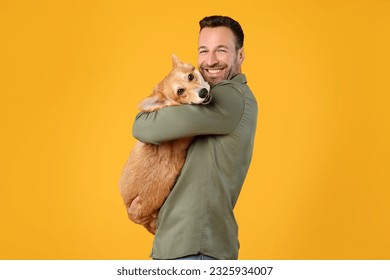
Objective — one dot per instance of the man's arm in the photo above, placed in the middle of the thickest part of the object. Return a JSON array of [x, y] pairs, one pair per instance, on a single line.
[[219, 117]]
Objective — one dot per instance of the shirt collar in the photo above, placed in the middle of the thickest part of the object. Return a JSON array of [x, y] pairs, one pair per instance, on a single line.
[[240, 78]]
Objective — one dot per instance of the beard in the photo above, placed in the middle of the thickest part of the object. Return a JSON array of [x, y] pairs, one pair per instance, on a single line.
[[215, 73]]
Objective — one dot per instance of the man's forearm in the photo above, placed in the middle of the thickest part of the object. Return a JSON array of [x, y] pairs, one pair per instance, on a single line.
[[176, 122]]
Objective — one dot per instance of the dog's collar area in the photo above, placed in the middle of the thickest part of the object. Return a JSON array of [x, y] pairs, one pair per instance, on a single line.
[[207, 100]]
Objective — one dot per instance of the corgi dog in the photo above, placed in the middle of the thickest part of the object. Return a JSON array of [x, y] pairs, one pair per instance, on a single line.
[[146, 181]]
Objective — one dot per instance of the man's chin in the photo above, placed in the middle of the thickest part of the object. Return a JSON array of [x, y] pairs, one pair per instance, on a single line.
[[213, 80], [210, 78]]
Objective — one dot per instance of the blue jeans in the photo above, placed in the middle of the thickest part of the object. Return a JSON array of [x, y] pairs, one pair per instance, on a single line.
[[195, 257]]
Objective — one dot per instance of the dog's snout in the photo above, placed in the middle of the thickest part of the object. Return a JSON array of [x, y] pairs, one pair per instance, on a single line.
[[203, 92]]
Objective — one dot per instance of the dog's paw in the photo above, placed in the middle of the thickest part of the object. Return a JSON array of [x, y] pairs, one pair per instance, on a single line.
[[151, 226]]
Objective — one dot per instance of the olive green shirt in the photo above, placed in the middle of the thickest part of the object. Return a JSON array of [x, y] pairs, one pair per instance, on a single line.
[[198, 217]]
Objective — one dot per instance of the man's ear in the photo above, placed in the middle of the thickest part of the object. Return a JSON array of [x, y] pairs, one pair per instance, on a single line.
[[241, 55], [175, 61]]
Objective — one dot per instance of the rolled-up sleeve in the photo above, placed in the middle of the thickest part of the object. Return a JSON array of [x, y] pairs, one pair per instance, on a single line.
[[219, 117]]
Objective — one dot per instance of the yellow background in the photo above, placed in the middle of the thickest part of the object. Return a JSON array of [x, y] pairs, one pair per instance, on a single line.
[[72, 73]]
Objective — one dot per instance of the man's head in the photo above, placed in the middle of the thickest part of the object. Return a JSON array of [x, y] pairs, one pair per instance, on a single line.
[[220, 48]]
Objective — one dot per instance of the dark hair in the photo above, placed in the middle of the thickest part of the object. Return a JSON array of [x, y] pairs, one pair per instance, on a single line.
[[235, 27]]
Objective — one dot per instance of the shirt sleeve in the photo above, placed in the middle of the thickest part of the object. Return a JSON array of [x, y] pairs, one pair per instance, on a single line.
[[220, 116]]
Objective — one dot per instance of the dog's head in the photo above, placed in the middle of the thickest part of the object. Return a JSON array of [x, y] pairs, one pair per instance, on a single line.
[[183, 85]]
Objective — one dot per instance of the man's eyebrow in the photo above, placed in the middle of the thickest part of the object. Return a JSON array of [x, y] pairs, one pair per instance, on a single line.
[[218, 47]]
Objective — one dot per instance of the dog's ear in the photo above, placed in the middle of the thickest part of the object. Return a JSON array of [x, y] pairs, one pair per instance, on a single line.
[[175, 61], [151, 103], [155, 101]]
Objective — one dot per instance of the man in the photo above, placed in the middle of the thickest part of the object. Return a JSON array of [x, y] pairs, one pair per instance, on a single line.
[[197, 219]]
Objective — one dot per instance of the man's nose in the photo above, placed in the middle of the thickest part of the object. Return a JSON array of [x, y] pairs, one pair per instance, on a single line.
[[212, 59]]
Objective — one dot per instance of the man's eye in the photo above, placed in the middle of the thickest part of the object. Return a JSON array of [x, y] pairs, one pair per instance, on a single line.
[[190, 77], [180, 91]]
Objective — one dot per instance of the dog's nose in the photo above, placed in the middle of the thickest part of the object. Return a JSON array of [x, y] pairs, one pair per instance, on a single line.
[[203, 92]]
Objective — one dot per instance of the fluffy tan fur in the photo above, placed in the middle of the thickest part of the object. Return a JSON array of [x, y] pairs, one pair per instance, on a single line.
[[151, 170]]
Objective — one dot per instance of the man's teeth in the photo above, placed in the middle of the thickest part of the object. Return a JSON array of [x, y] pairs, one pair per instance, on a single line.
[[214, 71]]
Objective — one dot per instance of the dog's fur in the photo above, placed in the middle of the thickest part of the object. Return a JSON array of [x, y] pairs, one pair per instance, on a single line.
[[151, 170]]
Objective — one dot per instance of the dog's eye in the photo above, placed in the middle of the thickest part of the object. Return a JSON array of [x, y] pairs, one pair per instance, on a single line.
[[180, 91], [190, 77]]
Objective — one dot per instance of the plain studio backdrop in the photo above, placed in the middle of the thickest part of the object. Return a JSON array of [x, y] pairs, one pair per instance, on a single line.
[[72, 73]]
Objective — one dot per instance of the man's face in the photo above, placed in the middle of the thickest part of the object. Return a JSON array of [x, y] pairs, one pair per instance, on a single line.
[[217, 56]]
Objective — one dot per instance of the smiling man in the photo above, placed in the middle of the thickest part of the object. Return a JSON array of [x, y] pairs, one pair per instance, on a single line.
[[197, 220], [220, 51]]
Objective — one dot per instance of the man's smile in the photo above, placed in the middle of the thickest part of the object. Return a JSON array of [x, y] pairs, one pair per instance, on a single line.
[[214, 71]]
